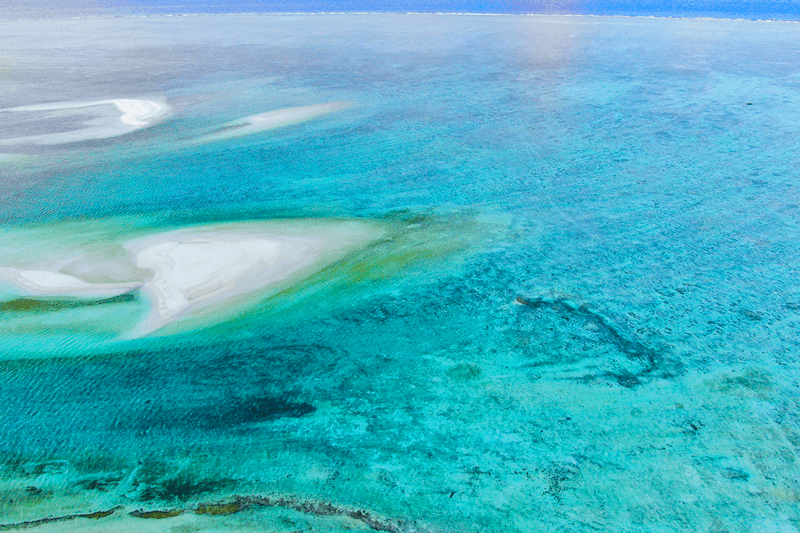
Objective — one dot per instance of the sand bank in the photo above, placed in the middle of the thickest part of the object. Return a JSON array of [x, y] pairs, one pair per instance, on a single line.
[[200, 267], [272, 120], [197, 276], [189, 272], [135, 115], [47, 285]]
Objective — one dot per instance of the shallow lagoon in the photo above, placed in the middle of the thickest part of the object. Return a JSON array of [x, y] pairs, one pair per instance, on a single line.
[[583, 317]]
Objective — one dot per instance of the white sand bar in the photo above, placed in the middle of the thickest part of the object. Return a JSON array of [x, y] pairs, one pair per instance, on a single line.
[[197, 268], [196, 276], [47, 285], [114, 117], [189, 271], [273, 120]]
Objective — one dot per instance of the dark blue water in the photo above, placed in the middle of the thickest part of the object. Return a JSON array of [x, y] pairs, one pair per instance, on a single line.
[[753, 9]]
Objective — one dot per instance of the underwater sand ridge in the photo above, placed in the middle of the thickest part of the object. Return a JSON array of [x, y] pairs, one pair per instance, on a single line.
[[270, 120]]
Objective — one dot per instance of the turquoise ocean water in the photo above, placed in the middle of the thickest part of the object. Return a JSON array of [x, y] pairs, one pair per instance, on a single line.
[[584, 317]]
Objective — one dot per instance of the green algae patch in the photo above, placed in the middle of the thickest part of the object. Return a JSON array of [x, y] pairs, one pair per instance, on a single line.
[[221, 508], [464, 372], [156, 515]]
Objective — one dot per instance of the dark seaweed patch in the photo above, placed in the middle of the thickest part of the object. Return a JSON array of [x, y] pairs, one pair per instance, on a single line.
[[181, 487], [245, 411], [312, 507], [224, 508], [559, 475], [230, 127], [735, 474], [648, 361], [464, 372], [232, 413]]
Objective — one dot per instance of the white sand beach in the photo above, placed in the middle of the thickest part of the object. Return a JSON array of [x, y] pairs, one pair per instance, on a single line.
[[47, 285], [270, 120], [113, 118]]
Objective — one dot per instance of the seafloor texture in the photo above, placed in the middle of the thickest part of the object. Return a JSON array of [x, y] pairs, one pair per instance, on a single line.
[[572, 305]]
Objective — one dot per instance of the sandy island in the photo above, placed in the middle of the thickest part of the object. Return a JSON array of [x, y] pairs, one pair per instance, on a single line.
[[194, 269], [272, 120], [114, 117]]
